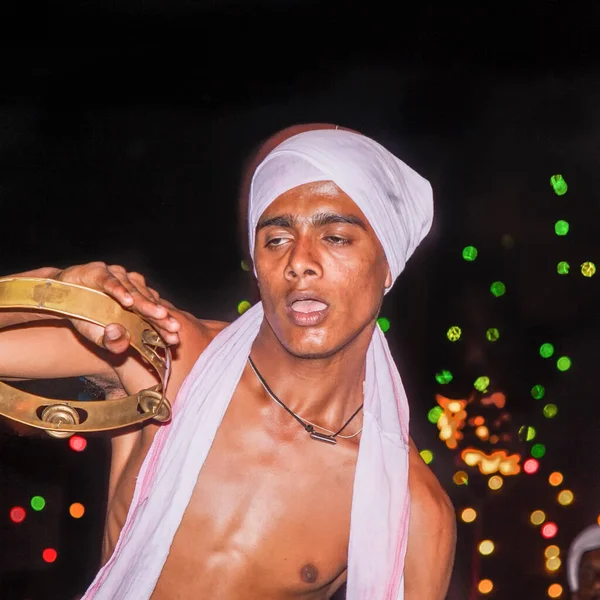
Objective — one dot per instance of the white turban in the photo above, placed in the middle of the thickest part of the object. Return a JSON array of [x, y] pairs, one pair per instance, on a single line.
[[396, 200], [587, 540]]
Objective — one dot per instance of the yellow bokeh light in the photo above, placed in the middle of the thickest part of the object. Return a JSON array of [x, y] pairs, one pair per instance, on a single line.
[[486, 547], [552, 551], [460, 478], [555, 590], [555, 478], [485, 586], [482, 432], [565, 497], [537, 517], [495, 482], [468, 515], [243, 306], [455, 406], [553, 564]]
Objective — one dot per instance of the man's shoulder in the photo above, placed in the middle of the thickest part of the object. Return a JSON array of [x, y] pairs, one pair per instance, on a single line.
[[198, 332]]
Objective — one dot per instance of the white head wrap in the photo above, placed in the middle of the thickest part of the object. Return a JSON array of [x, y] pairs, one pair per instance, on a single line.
[[396, 200], [587, 540]]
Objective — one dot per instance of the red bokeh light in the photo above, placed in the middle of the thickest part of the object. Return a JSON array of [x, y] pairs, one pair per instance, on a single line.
[[530, 466], [17, 514], [549, 530], [77, 443], [49, 555]]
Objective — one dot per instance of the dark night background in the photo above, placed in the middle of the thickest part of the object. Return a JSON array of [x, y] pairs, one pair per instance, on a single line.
[[124, 127]]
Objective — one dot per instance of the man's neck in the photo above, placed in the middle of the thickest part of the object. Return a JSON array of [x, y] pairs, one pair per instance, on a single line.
[[325, 391]]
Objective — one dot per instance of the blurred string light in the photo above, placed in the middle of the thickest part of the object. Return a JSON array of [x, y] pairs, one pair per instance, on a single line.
[[486, 547], [553, 564], [460, 478], [538, 392], [498, 289], [469, 253], [550, 411], [546, 350], [245, 266], [555, 590], [492, 334], [454, 333], [77, 443], [565, 497], [49, 555], [555, 478], [243, 306], [427, 456], [552, 551], [485, 586], [588, 269], [538, 450], [559, 185], [561, 227], [433, 416], [495, 482], [563, 363], [444, 376], [468, 515], [530, 466], [38, 503], [77, 510], [17, 514], [481, 384], [384, 324], [563, 267], [549, 530], [527, 433], [537, 517]]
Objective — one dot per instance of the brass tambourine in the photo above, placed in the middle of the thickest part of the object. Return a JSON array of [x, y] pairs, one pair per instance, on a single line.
[[63, 418]]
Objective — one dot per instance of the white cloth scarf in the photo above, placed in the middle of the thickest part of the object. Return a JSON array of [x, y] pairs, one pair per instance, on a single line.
[[398, 204], [587, 540]]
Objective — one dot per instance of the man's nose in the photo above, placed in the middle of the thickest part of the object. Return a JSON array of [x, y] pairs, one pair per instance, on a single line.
[[303, 261]]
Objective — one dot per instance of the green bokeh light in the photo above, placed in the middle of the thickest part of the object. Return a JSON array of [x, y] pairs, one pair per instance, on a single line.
[[538, 450], [498, 289], [433, 416], [546, 350], [444, 376], [481, 383], [538, 391], [559, 185], [563, 363], [563, 267], [492, 334], [454, 333], [384, 324], [527, 433], [588, 269], [38, 503], [245, 266], [550, 411], [427, 456], [243, 306], [561, 227], [469, 253]]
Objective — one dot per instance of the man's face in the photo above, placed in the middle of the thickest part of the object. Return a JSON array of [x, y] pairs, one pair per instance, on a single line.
[[589, 576], [321, 270]]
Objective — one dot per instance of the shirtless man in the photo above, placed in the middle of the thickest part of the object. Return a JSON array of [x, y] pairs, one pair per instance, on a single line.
[[296, 543]]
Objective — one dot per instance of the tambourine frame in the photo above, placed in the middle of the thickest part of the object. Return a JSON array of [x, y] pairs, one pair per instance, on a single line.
[[63, 418]]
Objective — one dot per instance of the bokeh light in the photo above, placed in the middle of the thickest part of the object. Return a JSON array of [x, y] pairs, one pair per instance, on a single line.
[[550, 411], [555, 478], [427, 456], [384, 324], [495, 482], [485, 586], [460, 478], [553, 564], [563, 363], [17, 514], [559, 185], [527, 433], [538, 392], [77, 510], [565, 497], [563, 267], [468, 515], [77, 443], [454, 333], [555, 590], [38, 503], [492, 334], [561, 227], [245, 266], [546, 350], [243, 306], [444, 376], [588, 269], [469, 253], [549, 530], [433, 416], [498, 289], [552, 551], [482, 383], [538, 450], [537, 517], [530, 466], [49, 555], [486, 547]]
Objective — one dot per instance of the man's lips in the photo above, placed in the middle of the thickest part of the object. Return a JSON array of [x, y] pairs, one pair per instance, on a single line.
[[308, 306]]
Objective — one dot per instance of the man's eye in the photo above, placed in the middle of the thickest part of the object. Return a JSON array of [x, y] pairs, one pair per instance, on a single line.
[[275, 241], [337, 240]]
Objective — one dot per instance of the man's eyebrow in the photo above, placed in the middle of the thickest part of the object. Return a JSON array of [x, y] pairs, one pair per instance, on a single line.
[[318, 220]]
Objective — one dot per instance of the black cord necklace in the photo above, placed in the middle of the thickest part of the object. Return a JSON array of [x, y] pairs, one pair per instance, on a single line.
[[330, 439]]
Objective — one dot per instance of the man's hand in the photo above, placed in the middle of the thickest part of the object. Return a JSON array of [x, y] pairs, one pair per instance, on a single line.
[[131, 291]]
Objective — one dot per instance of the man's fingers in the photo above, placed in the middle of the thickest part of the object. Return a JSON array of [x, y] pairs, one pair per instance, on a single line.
[[115, 338], [143, 302]]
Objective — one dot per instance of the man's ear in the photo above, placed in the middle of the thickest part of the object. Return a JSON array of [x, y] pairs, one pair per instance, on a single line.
[[388, 279]]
